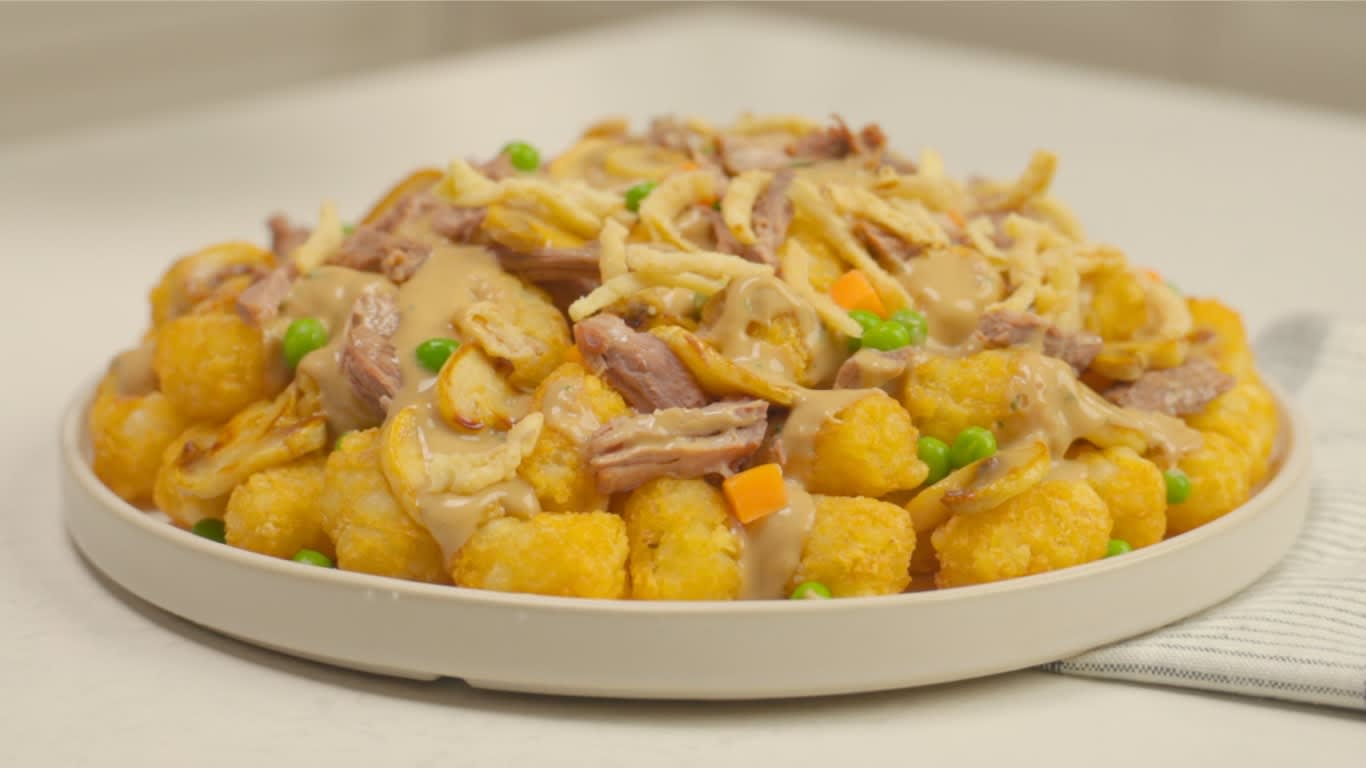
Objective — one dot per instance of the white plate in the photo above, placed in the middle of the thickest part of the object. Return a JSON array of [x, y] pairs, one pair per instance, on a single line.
[[658, 650]]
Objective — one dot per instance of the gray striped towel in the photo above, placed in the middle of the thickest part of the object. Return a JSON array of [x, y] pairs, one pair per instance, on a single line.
[[1299, 633]]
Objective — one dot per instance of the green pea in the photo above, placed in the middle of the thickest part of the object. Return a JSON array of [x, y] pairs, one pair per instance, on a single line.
[[915, 323], [934, 453], [1117, 547], [523, 156], [810, 590], [1178, 486], [301, 338], [972, 444], [434, 352], [866, 319], [211, 528], [313, 558], [348, 229], [637, 194], [887, 335]]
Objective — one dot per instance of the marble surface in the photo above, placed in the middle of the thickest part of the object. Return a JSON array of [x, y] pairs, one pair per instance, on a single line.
[[1257, 202]]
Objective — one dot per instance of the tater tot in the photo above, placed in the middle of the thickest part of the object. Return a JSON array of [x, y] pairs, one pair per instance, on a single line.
[[168, 490], [682, 543], [867, 450], [574, 401], [1134, 491], [1219, 473], [129, 435], [1217, 332], [1054, 525], [566, 554], [210, 366], [857, 546], [359, 513], [1119, 306], [278, 512], [1246, 415], [200, 275], [946, 395]]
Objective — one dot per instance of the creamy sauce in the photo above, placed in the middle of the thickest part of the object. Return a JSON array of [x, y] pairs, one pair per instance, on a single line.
[[953, 290], [327, 294], [133, 372], [812, 410], [771, 547], [1052, 404], [452, 518], [746, 306]]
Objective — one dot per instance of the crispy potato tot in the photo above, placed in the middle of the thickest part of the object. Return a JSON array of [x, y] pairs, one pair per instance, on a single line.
[[412, 471], [1126, 361], [1053, 525], [520, 327], [420, 180], [581, 555], [196, 277], [718, 375], [867, 449], [992, 481], [682, 544], [128, 435], [471, 395], [1220, 473], [575, 403], [168, 490], [359, 513], [1119, 307], [1247, 415], [210, 366], [1134, 491], [277, 511], [1217, 333], [946, 395], [857, 546], [263, 435]]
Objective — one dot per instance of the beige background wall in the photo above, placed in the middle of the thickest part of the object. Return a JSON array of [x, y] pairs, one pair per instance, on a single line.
[[65, 65]]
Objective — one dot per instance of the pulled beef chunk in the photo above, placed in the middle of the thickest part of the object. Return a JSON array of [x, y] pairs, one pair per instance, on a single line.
[[837, 142], [676, 443], [886, 245], [725, 239], [368, 247], [551, 264], [671, 133], [1179, 391], [497, 169], [369, 360], [1005, 328], [772, 215], [870, 368], [743, 153], [449, 221], [638, 365], [260, 302], [565, 292], [285, 236]]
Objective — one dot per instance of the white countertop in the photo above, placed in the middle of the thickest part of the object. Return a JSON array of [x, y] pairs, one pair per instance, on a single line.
[[1259, 203]]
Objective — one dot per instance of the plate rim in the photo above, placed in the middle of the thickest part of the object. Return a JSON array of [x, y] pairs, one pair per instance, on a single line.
[[1294, 462]]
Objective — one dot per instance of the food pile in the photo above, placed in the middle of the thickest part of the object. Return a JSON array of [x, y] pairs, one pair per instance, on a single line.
[[774, 359]]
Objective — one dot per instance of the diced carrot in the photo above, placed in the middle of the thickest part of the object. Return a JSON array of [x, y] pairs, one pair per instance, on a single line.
[[957, 217], [852, 291], [574, 355], [755, 493], [687, 165], [1155, 275]]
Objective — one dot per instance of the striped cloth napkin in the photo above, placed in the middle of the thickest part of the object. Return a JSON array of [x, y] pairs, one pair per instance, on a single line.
[[1299, 633]]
